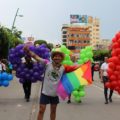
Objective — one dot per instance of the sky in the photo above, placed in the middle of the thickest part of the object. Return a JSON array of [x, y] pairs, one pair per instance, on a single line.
[[43, 19]]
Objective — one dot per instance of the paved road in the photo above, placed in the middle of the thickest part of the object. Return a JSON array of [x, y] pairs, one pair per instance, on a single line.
[[13, 106], [12, 103]]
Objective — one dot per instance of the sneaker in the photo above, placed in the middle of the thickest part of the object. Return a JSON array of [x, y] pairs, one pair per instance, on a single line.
[[80, 101], [68, 101], [27, 99], [110, 99], [106, 102]]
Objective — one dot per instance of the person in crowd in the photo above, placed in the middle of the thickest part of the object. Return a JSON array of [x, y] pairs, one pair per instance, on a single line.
[[4, 65], [1, 66], [53, 73], [27, 83], [92, 69], [104, 79]]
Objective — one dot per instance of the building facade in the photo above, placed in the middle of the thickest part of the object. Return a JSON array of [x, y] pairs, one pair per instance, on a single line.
[[82, 31]]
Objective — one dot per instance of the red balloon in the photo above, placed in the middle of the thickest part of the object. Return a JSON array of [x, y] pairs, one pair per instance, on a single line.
[[118, 41], [110, 72], [116, 73], [118, 77], [117, 35], [118, 83], [117, 51], [108, 85], [114, 84], [117, 88], [115, 45], [113, 77], [115, 59], [111, 65], [114, 39], [113, 53], [117, 68]]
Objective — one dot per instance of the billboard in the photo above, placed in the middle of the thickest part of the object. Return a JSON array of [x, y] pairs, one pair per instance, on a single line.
[[78, 19]]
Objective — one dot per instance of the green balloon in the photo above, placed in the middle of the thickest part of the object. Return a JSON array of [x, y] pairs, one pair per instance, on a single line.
[[86, 59], [77, 98], [91, 59], [69, 62], [82, 51], [64, 62], [67, 57], [81, 88], [75, 93], [89, 54], [63, 48], [89, 48], [80, 62], [82, 93], [82, 56]]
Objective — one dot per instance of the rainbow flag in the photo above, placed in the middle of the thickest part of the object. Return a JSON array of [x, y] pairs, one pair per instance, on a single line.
[[72, 80]]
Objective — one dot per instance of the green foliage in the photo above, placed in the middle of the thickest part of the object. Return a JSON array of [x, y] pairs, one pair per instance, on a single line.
[[49, 45], [100, 54], [8, 40], [40, 42]]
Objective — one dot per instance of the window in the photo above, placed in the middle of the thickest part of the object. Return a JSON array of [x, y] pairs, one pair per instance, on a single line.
[[64, 32]]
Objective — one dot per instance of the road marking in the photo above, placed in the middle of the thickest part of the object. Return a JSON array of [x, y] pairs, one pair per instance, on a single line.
[[100, 88]]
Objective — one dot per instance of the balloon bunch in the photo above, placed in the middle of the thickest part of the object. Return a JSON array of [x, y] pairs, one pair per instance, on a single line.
[[5, 78], [15, 56], [114, 65], [67, 52], [86, 54], [78, 93]]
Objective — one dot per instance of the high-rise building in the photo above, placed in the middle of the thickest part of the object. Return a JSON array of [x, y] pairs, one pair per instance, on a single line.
[[82, 31]]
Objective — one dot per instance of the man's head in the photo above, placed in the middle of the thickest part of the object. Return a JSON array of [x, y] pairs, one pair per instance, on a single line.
[[57, 57], [27, 58], [106, 59]]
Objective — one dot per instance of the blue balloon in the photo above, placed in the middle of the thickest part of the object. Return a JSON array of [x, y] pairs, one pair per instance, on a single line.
[[4, 76], [0, 76], [1, 83], [5, 83], [10, 77]]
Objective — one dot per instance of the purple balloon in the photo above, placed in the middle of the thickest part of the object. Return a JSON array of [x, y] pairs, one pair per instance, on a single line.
[[18, 47], [33, 80], [27, 76], [36, 74], [21, 80], [22, 74]]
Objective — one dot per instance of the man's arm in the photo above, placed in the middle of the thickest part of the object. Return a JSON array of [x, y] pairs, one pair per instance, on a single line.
[[32, 54], [101, 75]]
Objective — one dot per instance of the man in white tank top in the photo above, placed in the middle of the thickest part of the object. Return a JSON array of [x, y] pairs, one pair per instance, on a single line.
[[104, 79]]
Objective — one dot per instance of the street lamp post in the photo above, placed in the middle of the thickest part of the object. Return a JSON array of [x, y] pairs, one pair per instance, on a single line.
[[15, 19], [16, 14]]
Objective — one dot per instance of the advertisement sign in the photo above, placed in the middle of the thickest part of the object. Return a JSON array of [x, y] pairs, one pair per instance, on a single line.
[[78, 19]]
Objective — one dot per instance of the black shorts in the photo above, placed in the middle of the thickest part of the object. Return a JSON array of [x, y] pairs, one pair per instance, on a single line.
[[105, 79], [44, 99]]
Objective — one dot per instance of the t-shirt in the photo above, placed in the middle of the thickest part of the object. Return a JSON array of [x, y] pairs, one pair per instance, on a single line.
[[104, 67], [51, 79]]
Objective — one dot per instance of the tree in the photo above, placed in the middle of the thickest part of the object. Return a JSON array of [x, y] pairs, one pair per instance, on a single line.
[[8, 40], [100, 54], [49, 45]]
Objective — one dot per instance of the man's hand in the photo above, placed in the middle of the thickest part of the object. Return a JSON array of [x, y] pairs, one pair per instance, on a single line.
[[26, 48]]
